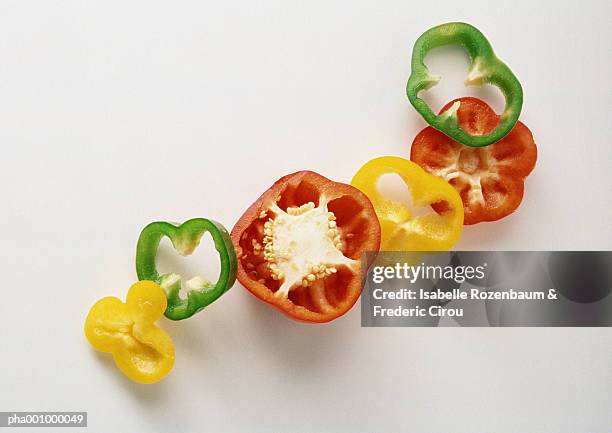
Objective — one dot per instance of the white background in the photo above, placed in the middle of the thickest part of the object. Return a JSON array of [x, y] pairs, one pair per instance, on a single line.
[[114, 114]]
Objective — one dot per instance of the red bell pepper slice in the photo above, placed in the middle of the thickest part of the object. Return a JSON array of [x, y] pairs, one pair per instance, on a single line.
[[299, 246], [489, 179]]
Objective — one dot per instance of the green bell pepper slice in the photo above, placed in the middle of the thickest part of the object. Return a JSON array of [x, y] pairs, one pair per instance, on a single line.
[[185, 238], [485, 68]]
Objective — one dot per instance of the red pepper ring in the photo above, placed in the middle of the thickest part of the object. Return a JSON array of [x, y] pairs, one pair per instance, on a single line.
[[299, 246], [489, 179]]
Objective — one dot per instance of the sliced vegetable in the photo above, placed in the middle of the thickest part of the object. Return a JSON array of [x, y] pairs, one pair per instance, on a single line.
[[185, 238], [402, 228], [485, 68], [490, 179], [141, 350], [299, 246]]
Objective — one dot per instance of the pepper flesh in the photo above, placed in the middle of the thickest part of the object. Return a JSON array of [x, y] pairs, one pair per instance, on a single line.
[[299, 246], [402, 228], [485, 68], [140, 349], [491, 179], [185, 239]]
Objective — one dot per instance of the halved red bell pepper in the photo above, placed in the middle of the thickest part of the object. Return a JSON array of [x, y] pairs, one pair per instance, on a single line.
[[489, 179], [299, 246]]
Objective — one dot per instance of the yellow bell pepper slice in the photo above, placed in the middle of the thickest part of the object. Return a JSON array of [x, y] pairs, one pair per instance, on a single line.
[[402, 229], [141, 350]]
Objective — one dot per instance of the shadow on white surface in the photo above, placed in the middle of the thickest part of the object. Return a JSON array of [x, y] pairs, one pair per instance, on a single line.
[[295, 345]]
